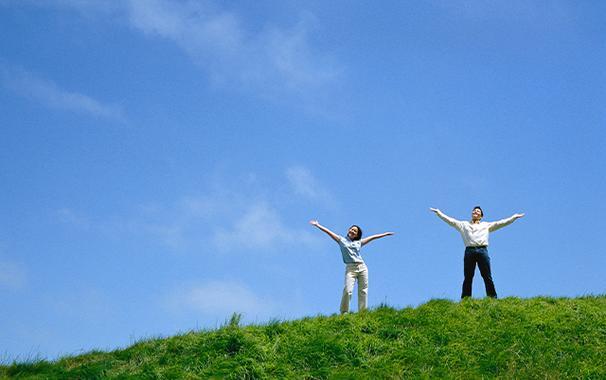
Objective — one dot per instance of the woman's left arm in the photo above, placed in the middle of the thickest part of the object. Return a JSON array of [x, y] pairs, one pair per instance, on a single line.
[[374, 237]]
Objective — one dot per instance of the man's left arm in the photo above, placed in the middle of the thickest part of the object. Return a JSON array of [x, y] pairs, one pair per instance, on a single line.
[[504, 222]]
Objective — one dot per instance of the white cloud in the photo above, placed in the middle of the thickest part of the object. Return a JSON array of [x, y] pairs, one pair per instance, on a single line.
[[171, 235], [259, 227], [82, 6], [230, 217], [83, 304], [200, 207], [12, 275], [70, 217], [169, 226], [272, 60], [219, 299], [195, 27], [238, 215], [48, 93], [536, 13], [305, 184]]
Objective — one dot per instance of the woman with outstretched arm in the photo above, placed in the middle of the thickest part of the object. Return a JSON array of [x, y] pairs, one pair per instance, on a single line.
[[475, 237], [355, 268]]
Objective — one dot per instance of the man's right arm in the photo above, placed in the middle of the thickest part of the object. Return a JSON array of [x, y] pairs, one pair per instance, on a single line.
[[451, 221]]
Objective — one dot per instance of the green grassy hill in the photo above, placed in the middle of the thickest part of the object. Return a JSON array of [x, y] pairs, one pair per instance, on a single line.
[[508, 338]]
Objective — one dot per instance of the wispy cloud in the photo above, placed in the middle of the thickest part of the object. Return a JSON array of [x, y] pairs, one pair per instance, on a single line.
[[226, 218], [12, 275], [228, 223], [166, 226], [259, 227], [519, 10], [69, 216], [87, 7], [86, 305], [219, 299], [274, 59], [51, 95], [305, 184]]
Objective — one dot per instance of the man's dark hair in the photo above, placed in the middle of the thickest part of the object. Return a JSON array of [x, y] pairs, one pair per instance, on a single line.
[[359, 235], [479, 208]]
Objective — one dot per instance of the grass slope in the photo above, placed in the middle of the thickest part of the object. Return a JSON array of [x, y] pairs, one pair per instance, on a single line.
[[508, 338]]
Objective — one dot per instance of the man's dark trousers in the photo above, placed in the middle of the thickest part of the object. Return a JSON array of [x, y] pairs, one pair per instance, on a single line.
[[473, 256]]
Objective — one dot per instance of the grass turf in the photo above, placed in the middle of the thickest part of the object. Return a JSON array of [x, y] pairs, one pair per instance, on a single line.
[[508, 338]]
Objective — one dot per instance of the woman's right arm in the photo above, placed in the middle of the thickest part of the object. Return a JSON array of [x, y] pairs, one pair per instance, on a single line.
[[328, 232]]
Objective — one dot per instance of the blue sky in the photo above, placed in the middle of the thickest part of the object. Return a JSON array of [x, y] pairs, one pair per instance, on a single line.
[[160, 160]]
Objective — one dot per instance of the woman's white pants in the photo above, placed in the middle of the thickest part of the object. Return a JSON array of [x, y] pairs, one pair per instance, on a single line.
[[355, 272]]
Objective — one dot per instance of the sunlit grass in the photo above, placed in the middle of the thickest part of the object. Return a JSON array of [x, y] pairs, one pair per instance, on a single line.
[[508, 338]]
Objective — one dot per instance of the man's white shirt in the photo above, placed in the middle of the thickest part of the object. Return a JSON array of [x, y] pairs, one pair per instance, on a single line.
[[475, 234]]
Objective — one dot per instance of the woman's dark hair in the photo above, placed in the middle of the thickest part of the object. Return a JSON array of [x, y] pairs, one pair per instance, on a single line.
[[359, 235], [479, 208]]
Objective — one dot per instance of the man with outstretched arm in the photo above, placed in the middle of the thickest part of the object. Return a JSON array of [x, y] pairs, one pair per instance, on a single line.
[[475, 236]]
